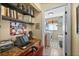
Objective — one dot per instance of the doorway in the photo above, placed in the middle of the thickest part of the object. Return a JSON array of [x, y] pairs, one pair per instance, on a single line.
[[54, 32], [55, 35]]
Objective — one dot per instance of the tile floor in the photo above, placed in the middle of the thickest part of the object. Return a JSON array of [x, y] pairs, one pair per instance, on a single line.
[[53, 51]]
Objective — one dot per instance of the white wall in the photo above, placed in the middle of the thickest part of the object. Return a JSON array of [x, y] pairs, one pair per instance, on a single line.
[[37, 32], [75, 36], [5, 30]]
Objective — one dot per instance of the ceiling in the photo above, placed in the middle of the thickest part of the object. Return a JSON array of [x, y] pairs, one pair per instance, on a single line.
[[45, 6]]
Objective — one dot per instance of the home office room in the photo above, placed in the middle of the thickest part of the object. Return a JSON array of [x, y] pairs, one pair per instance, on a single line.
[[39, 29], [35, 29], [20, 29]]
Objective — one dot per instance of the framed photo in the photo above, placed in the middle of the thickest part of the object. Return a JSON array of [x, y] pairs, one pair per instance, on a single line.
[[17, 28], [77, 14]]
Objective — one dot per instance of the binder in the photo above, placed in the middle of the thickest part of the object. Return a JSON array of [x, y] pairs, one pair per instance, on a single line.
[[15, 14], [3, 10], [19, 16]]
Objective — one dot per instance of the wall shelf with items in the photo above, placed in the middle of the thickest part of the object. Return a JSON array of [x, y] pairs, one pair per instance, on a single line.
[[15, 20], [11, 12], [14, 7]]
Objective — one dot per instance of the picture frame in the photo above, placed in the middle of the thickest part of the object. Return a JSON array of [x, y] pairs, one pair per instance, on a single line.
[[37, 26], [17, 28]]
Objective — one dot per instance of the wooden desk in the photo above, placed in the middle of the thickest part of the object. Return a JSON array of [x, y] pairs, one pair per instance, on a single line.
[[22, 52]]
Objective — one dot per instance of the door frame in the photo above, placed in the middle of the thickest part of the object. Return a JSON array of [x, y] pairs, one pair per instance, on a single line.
[[68, 16]]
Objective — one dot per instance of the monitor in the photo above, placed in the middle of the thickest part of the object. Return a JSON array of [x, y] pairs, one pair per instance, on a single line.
[[21, 41], [18, 41], [25, 39]]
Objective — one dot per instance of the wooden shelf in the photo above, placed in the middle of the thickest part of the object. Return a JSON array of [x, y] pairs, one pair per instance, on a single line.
[[9, 5], [15, 20]]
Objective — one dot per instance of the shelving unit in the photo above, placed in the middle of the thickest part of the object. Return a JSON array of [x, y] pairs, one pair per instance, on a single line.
[[16, 8]]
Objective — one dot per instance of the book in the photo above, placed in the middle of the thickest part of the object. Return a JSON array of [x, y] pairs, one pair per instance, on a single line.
[[31, 12], [8, 14], [15, 14], [26, 8], [19, 5], [23, 7], [3, 10], [30, 19], [26, 18], [19, 16], [12, 14]]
